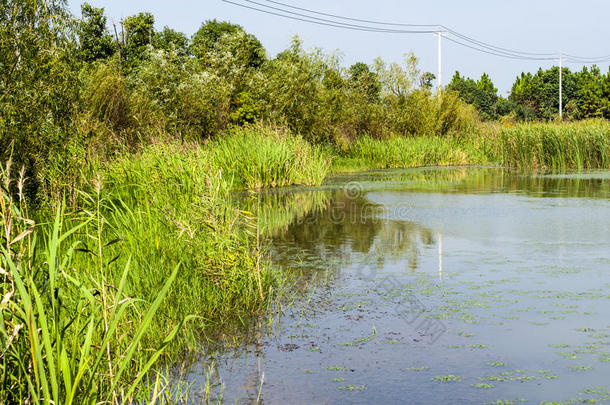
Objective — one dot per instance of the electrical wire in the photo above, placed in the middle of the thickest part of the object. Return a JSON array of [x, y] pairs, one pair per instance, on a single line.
[[329, 23], [462, 36], [471, 43]]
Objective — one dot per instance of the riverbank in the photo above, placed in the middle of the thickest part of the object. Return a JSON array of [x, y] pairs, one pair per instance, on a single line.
[[148, 238]]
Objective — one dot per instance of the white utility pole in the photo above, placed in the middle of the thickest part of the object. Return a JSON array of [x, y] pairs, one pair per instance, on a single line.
[[440, 61], [560, 86]]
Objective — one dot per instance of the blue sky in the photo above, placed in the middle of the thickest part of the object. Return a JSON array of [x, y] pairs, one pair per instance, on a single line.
[[569, 26]]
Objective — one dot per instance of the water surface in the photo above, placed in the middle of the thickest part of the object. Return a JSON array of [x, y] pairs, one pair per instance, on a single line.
[[436, 285]]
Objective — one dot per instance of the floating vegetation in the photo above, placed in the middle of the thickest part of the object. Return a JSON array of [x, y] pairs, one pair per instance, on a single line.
[[497, 364], [353, 387], [483, 385], [421, 368], [580, 368], [447, 378]]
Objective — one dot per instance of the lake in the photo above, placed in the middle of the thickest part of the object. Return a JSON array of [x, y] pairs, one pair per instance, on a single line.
[[431, 285]]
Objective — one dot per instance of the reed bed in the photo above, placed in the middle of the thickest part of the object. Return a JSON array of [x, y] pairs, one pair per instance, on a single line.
[[95, 297], [405, 152], [554, 146], [260, 157]]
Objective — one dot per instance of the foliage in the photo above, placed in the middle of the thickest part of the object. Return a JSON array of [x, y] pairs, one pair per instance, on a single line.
[[62, 335], [169, 39], [214, 38], [263, 157], [482, 94], [38, 84], [94, 41], [399, 152], [585, 93]]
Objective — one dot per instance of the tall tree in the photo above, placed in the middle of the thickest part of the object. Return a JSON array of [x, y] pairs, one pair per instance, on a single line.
[[95, 43], [214, 37]]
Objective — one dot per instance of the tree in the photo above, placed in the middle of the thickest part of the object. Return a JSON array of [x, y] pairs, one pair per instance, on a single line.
[[592, 101], [138, 32], [139, 29], [426, 81], [95, 43], [38, 83], [482, 93], [214, 37], [362, 79], [171, 39]]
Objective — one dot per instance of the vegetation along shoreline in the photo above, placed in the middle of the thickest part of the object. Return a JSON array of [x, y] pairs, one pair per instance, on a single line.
[[121, 245]]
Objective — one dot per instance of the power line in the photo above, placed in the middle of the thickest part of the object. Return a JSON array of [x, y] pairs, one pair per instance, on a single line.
[[357, 27], [352, 19], [462, 36], [471, 43], [503, 55], [315, 20]]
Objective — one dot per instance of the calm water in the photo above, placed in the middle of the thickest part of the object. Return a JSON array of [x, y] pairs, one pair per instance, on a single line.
[[442, 285]]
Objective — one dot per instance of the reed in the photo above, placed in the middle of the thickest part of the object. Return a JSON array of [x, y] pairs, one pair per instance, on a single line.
[[405, 152], [260, 157], [67, 338], [554, 146]]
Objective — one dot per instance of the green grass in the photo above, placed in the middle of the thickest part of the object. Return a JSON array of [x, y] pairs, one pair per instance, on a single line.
[[554, 146], [67, 338], [97, 294], [539, 146], [265, 157], [401, 152]]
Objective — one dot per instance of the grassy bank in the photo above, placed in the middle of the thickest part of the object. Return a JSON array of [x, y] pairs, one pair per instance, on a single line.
[[539, 146], [95, 296], [399, 152], [269, 157], [554, 146]]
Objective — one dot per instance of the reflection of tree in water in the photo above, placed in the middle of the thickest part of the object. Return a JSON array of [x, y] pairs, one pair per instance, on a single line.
[[342, 228], [488, 180]]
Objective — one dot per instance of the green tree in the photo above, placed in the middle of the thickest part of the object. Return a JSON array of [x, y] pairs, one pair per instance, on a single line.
[[540, 92], [592, 101], [426, 80], [38, 83], [169, 38], [213, 37], [95, 43], [482, 94], [139, 29], [362, 79], [138, 32]]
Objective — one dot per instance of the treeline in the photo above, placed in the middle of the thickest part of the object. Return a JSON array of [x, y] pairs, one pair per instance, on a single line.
[[586, 94], [77, 89]]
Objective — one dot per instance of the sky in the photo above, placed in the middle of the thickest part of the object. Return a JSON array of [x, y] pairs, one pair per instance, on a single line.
[[567, 26]]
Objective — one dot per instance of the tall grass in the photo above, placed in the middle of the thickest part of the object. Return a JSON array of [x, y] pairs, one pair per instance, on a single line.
[[65, 337], [403, 152], [171, 204], [554, 146], [265, 157], [93, 299]]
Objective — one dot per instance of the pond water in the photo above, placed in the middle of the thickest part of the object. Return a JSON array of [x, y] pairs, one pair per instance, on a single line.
[[435, 285]]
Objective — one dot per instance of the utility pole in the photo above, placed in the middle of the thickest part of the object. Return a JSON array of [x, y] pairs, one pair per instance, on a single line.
[[440, 61], [560, 86]]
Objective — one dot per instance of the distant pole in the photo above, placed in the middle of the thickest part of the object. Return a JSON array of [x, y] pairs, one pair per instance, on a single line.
[[440, 61], [560, 86]]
